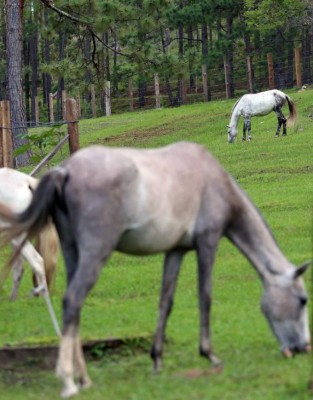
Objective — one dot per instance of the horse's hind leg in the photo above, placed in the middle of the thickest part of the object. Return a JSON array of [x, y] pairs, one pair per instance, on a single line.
[[281, 121], [171, 267], [81, 279], [18, 272], [206, 249]]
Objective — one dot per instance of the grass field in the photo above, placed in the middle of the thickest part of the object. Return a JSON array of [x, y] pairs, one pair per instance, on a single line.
[[278, 176]]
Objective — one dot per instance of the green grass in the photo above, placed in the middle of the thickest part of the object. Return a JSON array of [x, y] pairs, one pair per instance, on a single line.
[[277, 175]]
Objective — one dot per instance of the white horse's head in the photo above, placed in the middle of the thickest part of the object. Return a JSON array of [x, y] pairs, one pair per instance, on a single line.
[[232, 133], [284, 304]]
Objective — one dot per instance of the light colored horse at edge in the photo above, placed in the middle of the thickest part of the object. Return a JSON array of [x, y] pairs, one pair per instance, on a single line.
[[16, 192], [171, 200], [251, 105]]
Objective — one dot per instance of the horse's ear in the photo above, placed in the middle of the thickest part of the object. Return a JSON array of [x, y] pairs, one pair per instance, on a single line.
[[302, 269]]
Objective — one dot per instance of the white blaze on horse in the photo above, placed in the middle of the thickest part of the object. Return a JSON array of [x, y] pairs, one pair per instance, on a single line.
[[251, 105], [16, 192], [172, 200]]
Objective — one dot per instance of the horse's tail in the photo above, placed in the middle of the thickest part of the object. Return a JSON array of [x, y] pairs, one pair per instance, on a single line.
[[47, 245], [292, 112], [48, 194]]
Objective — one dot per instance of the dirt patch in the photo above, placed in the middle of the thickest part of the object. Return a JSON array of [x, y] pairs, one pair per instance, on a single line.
[[135, 136], [198, 373], [45, 357]]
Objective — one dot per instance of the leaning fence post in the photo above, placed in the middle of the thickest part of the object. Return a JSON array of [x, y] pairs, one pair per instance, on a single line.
[[72, 124], [6, 145]]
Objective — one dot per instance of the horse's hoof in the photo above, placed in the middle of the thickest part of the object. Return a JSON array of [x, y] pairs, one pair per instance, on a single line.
[[69, 391], [276, 136], [85, 383], [243, 139], [216, 362], [37, 291]]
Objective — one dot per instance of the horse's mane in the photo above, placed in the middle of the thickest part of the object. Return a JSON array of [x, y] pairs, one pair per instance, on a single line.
[[234, 106]]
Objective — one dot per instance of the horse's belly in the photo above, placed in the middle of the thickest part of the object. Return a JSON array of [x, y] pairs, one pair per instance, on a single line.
[[153, 240]]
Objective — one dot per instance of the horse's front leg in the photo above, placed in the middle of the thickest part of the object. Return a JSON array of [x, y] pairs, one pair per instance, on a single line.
[[171, 267], [247, 127], [206, 249]]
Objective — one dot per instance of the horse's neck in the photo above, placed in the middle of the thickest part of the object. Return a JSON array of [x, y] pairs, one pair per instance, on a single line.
[[234, 118], [252, 236]]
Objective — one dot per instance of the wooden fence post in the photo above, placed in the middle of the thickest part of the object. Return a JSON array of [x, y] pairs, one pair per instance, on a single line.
[[250, 74], [79, 107], [131, 93], [72, 124], [63, 97], [93, 102], [157, 90], [270, 66], [298, 66], [205, 82], [183, 90], [108, 98], [36, 111], [6, 145], [51, 114], [227, 79]]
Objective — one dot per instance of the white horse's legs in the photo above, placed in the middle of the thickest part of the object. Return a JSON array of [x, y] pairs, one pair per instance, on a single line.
[[18, 272], [37, 265]]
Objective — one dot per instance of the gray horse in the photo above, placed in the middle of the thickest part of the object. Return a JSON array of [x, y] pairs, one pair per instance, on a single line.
[[172, 200]]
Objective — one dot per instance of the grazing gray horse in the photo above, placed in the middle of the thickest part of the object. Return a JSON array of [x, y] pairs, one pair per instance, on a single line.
[[171, 200], [262, 103]]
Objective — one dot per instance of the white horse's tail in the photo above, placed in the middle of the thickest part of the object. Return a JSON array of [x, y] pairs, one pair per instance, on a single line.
[[292, 112]]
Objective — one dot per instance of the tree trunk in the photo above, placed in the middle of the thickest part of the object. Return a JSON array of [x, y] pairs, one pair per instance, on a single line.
[[14, 76], [230, 58], [33, 58], [61, 83], [205, 60], [47, 80], [279, 63]]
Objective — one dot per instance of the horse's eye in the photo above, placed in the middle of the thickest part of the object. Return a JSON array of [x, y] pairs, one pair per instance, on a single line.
[[303, 300]]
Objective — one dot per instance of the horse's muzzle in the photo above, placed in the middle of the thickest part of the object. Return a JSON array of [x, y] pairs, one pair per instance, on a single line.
[[288, 353]]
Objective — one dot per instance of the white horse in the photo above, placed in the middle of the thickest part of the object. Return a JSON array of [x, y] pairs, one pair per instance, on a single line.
[[16, 192], [172, 200], [263, 103]]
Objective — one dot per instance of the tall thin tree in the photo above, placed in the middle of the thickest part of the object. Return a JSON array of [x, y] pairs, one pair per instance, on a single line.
[[14, 12]]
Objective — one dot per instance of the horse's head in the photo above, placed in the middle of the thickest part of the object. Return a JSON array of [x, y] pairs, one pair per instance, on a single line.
[[232, 133], [284, 304]]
